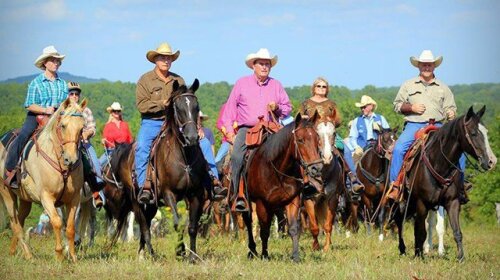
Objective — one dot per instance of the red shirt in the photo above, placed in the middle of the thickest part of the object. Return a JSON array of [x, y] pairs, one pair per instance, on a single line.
[[116, 135]]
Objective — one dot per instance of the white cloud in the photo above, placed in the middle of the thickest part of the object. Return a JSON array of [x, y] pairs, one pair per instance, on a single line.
[[52, 10]]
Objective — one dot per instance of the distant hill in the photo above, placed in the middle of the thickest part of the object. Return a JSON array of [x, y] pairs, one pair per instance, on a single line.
[[64, 75]]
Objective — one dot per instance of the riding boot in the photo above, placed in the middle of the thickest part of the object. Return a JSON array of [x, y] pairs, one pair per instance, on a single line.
[[463, 198], [357, 186], [219, 192], [11, 179], [241, 203], [98, 203], [309, 191], [146, 194]]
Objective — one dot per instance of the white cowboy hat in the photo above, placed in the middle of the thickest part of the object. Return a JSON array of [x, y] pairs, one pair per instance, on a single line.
[[203, 116], [366, 100], [163, 49], [47, 52], [426, 56], [261, 54], [114, 107]]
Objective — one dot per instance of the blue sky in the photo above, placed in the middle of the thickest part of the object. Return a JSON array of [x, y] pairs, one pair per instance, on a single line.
[[351, 43]]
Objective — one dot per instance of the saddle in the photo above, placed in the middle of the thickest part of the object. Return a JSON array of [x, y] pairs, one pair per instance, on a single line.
[[421, 137], [255, 135]]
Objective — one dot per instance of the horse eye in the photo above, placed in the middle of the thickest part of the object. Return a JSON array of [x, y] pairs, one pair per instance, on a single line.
[[300, 141]]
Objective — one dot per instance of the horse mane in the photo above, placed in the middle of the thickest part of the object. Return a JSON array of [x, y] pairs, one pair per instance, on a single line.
[[277, 143], [448, 130], [120, 154], [49, 128]]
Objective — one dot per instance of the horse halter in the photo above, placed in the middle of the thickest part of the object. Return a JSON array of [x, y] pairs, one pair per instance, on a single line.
[[60, 139], [304, 164], [380, 150]]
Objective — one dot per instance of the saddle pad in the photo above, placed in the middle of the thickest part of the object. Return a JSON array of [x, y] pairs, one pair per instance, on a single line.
[[27, 149]]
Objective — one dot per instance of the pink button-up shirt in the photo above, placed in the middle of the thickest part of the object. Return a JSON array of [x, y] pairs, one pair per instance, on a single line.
[[248, 100]]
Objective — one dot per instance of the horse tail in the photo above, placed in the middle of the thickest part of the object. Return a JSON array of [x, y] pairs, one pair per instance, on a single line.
[[3, 214], [120, 226], [84, 217], [321, 208]]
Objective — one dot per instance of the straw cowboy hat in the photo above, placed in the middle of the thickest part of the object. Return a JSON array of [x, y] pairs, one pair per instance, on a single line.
[[426, 56], [114, 107], [261, 54], [366, 100], [163, 49], [47, 52], [203, 116]]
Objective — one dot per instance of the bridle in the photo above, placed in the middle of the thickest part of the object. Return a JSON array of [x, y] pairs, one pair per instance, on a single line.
[[304, 165], [180, 124]]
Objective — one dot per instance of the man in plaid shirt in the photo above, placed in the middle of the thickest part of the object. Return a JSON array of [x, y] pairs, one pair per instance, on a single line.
[[45, 93]]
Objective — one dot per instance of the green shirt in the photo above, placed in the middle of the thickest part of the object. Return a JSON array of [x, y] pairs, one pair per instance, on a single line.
[[436, 96]]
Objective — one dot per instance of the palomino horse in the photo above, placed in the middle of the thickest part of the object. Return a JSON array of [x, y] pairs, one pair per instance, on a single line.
[[434, 178], [372, 170], [52, 175], [180, 169], [272, 183]]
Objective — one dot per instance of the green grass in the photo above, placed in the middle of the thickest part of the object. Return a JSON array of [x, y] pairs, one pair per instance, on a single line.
[[224, 257]]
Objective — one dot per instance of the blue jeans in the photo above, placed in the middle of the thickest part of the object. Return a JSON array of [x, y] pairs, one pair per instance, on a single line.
[[402, 145], [96, 166], [206, 149], [222, 152], [147, 133], [103, 160], [18, 144]]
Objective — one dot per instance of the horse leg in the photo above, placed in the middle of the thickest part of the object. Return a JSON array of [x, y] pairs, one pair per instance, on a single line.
[[141, 219], [247, 219], [453, 209], [292, 214], [55, 221], [70, 227], [419, 229], [429, 226], [10, 202], [92, 224], [399, 223], [129, 233], [195, 210], [265, 219], [381, 221], [328, 223], [23, 212], [313, 223], [440, 229]]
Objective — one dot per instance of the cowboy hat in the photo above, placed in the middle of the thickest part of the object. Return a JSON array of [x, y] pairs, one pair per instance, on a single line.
[[74, 86], [426, 56], [47, 52], [163, 49], [366, 100], [203, 116], [261, 54], [114, 107]]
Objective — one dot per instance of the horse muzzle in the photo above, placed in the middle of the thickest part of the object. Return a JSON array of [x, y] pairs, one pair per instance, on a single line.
[[313, 175]]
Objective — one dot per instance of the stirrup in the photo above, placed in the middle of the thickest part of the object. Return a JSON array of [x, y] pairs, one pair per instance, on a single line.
[[145, 197], [241, 205], [11, 179]]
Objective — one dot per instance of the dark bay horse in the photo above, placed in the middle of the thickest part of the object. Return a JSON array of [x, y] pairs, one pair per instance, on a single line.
[[434, 178], [180, 168], [372, 170], [275, 176]]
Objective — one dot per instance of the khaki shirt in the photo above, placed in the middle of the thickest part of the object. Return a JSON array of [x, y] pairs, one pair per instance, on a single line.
[[436, 96], [152, 91]]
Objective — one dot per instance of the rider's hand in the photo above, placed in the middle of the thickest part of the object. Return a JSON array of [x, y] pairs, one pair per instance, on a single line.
[[358, 151], [450, 114], [272, 106], [418, 108], [201, 133], [49, 111]]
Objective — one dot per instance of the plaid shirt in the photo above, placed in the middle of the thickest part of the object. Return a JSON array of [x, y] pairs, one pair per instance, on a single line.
[[89, 121], [46, 93]]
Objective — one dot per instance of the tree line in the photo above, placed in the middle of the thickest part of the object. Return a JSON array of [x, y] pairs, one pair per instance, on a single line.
[[212, 95]]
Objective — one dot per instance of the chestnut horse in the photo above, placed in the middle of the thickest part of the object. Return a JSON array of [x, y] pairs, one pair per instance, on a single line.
[[180, 170], [434, 179], [51, 175], [275, 175]]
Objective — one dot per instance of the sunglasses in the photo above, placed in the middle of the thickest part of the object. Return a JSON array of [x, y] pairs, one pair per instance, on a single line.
[[321, 86], [116, 111], [76, 93]]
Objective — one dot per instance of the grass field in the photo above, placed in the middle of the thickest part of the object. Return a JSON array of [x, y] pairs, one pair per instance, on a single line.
[[224, 257]]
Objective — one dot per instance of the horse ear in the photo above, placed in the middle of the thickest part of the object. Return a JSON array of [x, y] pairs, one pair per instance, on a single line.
[[84, 103], [175, 86], [470, 113], [481, 112], [194, 87], [297, 119], [315, 116], [66, 103]]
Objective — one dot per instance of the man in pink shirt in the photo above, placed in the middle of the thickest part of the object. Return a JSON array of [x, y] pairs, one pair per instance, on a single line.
[[252, 96]]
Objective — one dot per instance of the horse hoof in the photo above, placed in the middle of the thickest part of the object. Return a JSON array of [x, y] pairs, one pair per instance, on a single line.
[[296, 259], [265, 257], [251, 255]]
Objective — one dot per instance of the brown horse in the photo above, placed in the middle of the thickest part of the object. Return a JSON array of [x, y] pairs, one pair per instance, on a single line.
[[275, 175], [180, 169], [372, 170], [434, 179], [52, 175]]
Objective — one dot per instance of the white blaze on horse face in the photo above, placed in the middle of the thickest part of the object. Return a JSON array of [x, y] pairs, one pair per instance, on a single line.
[[491, 156], [189, 111], [326, 132]]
